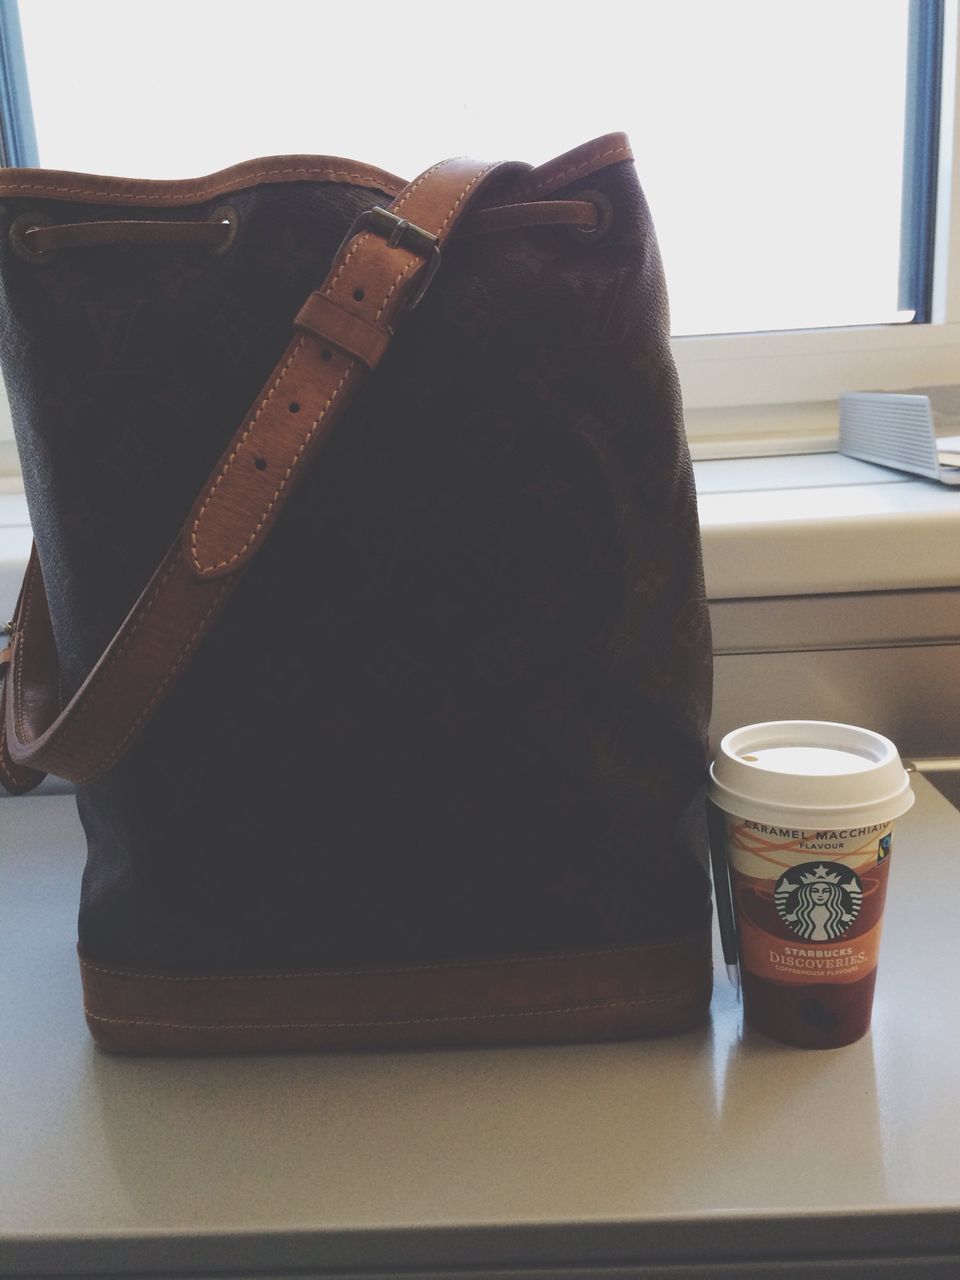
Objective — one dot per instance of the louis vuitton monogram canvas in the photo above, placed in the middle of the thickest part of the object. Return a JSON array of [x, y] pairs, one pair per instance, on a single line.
[[458, 704]]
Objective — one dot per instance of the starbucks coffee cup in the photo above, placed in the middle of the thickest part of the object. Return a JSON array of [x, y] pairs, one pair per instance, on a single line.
[[809, 809]]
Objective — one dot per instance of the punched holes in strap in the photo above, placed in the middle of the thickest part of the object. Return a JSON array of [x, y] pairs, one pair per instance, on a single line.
[[321, 316], [313, 383]]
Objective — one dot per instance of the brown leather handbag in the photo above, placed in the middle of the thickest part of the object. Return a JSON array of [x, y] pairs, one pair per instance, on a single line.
[[400, 742]]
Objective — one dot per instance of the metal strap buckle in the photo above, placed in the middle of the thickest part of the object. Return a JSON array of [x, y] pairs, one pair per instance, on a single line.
[[400, 234]]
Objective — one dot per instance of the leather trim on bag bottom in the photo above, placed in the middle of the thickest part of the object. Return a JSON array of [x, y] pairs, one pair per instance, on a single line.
[[590, 994]]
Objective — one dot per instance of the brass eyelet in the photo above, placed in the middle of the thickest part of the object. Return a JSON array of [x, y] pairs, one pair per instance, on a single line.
[[604, 216], [227, 214], [19, 240]]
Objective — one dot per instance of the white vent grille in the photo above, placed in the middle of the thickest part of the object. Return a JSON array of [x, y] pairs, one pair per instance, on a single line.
[[894, 430]]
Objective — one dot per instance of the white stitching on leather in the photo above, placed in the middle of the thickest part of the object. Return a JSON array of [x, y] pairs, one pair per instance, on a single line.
[[280, 487], [443, 226], [189, 193], [194, 555], [328, 291], [552, 180], [365, 236]]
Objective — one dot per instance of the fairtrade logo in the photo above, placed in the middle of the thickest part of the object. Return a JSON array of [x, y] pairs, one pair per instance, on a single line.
[[819, 901]]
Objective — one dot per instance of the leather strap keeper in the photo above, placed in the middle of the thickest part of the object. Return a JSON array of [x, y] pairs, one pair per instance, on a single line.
[[650, 989], [332, 323]]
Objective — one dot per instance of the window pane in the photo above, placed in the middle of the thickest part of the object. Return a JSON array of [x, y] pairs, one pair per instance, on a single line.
[[768, 133]]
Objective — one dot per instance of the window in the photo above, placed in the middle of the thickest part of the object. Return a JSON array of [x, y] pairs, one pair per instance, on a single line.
[[770, 140]]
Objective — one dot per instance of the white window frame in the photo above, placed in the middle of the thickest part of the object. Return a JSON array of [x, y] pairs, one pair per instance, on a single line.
[[767, 393], [776, 392]]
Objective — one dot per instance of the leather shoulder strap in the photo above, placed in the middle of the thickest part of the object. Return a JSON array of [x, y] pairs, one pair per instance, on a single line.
[[342, 331]]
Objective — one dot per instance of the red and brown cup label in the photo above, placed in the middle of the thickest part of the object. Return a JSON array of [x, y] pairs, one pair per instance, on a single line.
[[809, 903]]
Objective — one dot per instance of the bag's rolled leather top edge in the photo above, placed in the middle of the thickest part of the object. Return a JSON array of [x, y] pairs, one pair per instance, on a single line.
[[86, 188]]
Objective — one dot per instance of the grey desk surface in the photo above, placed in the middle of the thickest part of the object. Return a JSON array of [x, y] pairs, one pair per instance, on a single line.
[[715, 1153]]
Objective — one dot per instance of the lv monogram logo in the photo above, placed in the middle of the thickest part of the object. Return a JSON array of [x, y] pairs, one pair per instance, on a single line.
[[114, 328], [605, 320]]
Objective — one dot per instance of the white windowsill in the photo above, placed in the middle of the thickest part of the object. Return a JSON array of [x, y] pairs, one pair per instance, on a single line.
[[806, 525], [821, 524]]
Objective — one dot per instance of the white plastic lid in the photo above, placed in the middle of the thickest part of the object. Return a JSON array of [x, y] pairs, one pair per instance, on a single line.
[[810, 773]]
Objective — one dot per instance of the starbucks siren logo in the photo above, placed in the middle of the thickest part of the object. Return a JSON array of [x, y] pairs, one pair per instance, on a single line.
[[819, 901]]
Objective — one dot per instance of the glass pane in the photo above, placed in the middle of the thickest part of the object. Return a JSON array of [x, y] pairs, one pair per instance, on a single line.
[[768, 133]]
